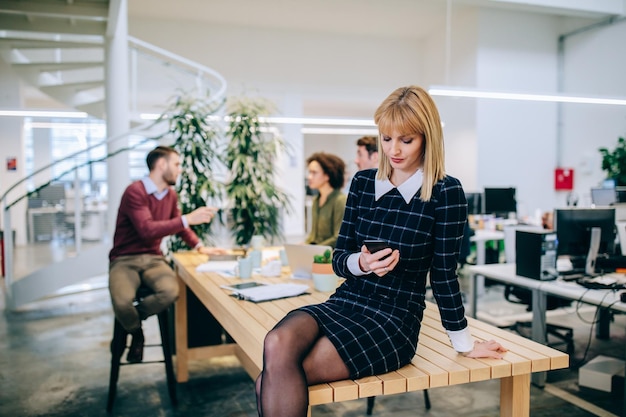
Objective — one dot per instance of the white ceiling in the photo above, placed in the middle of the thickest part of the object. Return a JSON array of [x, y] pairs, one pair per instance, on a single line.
[[394, 18], [377, 18]]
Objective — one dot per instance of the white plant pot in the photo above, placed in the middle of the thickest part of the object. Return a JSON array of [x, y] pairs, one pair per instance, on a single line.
[[325, 282]]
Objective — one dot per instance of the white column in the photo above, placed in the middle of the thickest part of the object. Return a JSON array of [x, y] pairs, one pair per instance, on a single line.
[[117, 110], [290, 175], [12, 146], [42, 151]]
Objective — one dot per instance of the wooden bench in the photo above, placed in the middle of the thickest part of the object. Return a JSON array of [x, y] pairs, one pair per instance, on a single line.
[[436, 364]]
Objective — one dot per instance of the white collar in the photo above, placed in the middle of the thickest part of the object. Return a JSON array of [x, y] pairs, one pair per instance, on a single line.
[[407, 189], [151, 188]]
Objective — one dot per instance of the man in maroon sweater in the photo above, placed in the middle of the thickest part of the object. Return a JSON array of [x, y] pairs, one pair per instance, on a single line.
[[149, 212]]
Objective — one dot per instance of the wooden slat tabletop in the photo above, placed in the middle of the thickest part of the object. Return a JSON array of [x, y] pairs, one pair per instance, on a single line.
[[435, 364]]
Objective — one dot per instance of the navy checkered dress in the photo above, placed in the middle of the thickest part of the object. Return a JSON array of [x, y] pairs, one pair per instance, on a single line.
[[374, 322]]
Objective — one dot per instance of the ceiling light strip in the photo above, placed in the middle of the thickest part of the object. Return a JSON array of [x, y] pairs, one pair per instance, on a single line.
[[552, 98], [44, 113], [296, 120], [337, 131]]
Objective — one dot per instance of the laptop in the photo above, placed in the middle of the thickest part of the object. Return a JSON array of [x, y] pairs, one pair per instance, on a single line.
[[300, 258], [603, 196]]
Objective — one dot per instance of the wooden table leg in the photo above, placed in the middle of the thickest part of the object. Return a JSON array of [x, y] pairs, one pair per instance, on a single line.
[[515, 396], [182, 350]]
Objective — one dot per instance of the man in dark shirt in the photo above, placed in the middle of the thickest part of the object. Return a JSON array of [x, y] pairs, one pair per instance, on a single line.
[[149, 212]]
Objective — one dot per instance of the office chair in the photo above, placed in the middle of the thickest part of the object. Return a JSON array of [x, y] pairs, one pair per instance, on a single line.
[[466, 245], [118, 345], [563, 334]]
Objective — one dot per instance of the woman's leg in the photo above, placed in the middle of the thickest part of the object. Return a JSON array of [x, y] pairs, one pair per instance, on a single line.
[[282, 389], [292, 352]]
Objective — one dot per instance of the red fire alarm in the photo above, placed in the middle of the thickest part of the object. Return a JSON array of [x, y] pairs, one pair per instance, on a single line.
[[564, 179]]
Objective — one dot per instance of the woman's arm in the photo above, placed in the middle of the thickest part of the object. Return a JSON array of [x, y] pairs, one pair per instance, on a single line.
[[346, 241], [450, 218]]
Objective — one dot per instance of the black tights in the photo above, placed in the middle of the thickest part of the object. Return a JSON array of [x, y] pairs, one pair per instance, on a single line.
[[282, 388]]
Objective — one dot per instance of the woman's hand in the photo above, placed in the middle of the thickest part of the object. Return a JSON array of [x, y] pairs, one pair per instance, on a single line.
[[373, 262], [487, 349]]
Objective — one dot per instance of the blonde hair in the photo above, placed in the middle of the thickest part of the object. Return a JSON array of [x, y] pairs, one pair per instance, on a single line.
[[409, 111]]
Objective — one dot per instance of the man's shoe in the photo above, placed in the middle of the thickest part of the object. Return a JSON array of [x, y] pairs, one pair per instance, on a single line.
[[135, 351]]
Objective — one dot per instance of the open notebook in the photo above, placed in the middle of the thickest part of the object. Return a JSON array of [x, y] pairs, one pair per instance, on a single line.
[[266, 292]]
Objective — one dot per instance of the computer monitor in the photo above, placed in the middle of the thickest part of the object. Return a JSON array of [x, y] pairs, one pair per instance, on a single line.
[[53, 193], [500, 201], [603, 196], [573, 232], [474, 203]]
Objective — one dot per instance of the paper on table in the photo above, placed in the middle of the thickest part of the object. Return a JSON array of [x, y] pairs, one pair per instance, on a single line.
[[225, 268]]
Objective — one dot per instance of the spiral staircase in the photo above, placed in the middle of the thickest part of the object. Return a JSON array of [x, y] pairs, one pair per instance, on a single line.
[[57, 47]]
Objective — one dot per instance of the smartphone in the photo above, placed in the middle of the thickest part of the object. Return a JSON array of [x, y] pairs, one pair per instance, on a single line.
[[243, 285], [374, 245]]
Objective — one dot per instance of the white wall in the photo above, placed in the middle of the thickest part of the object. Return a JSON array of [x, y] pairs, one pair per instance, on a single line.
[[11, 138], [516, 140], [594, 63], [488, 143], [456, 66], [272, 62]]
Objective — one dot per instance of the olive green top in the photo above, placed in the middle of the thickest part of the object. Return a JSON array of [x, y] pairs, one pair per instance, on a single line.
[[327, 219]]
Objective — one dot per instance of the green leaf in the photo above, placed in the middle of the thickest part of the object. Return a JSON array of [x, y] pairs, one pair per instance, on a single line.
[[248, 157]]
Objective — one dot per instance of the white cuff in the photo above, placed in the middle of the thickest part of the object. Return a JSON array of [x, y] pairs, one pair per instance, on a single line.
[[462, 340], [185, 222], [353, 265]]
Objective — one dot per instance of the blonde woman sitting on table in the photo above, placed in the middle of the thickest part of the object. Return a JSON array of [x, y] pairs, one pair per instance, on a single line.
[[371, 324], [327, 176]]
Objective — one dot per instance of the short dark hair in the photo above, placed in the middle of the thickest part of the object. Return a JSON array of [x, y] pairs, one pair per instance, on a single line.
[[369, 142], [158, 153], [332, 165]]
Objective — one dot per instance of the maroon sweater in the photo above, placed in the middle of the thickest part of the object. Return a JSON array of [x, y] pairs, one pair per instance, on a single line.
[[142, 221]]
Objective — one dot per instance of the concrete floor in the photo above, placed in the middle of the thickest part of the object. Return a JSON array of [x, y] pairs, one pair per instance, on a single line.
[[54, 361]]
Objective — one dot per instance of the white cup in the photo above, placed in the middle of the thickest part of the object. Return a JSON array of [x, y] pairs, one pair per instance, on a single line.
[[257, 257], [283, 257], [244, 268], [257, 242]]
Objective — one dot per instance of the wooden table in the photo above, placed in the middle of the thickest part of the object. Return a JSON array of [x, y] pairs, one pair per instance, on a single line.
[[436, 364]]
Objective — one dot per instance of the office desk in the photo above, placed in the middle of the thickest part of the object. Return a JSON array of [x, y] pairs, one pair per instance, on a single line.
[[505, 273], [42, 222], [435, 364], [481, 237]]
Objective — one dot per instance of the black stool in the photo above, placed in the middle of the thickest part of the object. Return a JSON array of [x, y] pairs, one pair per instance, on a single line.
[[118, 345]]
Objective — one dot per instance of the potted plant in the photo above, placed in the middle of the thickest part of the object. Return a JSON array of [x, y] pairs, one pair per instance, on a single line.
[[323, 264], [251, 153], [614, 162], [197, 135], [324, 278]]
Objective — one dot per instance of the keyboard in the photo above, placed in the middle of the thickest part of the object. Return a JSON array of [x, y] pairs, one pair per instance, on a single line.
[[604, 282]]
